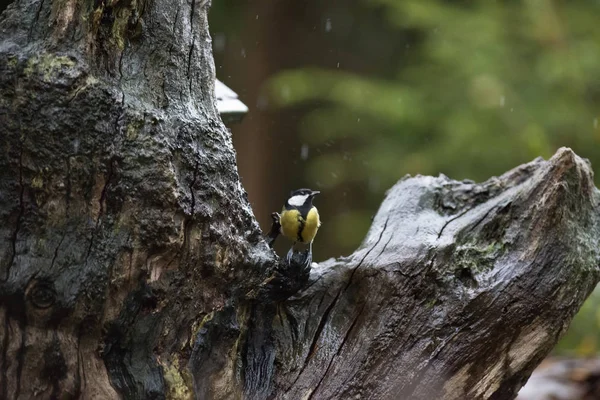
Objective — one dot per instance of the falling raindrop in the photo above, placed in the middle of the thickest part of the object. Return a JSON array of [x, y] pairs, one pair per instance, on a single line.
[[502, 101], [219, 41], [338, 64], [256, 16], [373, 184], [304, 152], [262, 102], [328, 25], [358, 120], [243, 52]]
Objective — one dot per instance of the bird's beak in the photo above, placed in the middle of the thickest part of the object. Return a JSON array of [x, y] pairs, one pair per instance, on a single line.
[[314, 193]]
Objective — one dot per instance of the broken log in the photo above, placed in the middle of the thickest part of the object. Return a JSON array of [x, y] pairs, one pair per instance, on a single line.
[[131, 265]]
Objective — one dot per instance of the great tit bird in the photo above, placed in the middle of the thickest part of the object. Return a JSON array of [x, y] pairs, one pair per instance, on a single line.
[[300, 221]]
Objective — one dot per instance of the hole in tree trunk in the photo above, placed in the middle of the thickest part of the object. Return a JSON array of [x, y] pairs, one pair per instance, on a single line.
[[3, 5]]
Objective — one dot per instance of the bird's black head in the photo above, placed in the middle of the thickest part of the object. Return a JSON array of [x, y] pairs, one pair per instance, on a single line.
[[301, 197]]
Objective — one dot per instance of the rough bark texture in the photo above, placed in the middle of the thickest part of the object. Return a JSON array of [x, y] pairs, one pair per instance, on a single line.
[[458, 291], [123, 221], [131, 265]]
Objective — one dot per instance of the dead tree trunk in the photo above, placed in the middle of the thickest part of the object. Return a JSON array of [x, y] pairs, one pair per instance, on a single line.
[[131, 265]]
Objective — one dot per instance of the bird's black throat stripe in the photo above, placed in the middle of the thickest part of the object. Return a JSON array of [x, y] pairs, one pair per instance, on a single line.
[[304, 209], [301, 223], [303, 214]]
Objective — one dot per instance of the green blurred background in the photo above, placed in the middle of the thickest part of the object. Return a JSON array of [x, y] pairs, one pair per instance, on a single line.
[[349, 96]]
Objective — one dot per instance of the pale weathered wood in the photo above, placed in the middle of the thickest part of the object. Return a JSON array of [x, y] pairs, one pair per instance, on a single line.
[[458, 291]]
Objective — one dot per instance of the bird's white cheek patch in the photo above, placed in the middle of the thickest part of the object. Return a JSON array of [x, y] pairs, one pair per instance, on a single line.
[[297, 200]]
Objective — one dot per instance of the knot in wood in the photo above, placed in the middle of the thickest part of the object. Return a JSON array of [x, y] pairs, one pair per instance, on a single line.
[[42, 295]]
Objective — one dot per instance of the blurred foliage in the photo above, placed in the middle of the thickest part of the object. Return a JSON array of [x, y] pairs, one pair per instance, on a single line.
[[487, 85], [583, 337], [481, 87]]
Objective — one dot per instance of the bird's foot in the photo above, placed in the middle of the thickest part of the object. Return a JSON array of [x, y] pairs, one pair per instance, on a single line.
[[290, 256], [308, 259], [302, 260]]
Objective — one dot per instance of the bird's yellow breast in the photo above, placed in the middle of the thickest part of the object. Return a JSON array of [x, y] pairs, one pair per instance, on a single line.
[[298, 229]]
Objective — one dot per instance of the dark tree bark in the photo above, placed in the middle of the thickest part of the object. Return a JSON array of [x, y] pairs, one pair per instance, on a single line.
[[131, 264]]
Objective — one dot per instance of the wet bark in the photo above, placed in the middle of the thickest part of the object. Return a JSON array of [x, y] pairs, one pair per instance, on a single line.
[[458, 291], [131, 265]]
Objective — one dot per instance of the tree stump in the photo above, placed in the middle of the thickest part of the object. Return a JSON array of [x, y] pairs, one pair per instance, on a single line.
[[131, 265]]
